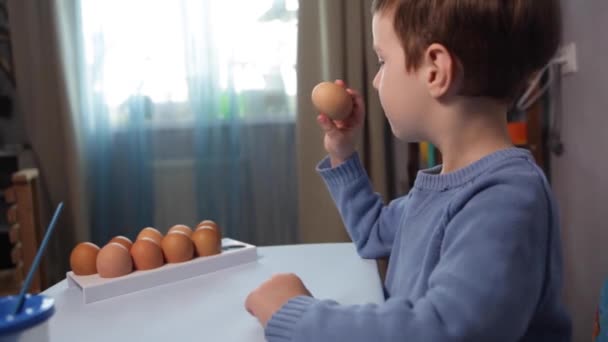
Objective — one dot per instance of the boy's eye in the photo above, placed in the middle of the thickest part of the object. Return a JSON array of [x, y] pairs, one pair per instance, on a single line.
[[380, 63]]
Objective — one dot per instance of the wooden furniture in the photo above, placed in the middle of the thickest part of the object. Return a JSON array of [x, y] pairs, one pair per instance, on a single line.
[[25, 232]]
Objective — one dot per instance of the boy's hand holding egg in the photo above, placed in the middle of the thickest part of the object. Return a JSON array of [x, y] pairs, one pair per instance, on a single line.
[[342, 111]]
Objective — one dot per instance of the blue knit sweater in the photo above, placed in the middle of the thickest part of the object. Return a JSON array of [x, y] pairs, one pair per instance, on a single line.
[[474, 256]]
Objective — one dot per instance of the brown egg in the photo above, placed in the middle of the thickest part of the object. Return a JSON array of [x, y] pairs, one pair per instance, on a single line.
[[83, 259], [182, 228], [207, 242], [208, 224], [125, 241], [177, 247], [332, 100], [114, 261], [152, 233], [146, 254]]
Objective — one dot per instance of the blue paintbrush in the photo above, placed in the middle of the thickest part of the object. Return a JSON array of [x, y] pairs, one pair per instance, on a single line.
[[30, 274]]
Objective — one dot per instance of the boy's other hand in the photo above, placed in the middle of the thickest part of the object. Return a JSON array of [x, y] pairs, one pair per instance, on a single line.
[[341, 135], [267, 299]]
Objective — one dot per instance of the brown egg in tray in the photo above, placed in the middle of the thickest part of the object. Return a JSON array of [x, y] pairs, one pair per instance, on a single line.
[[123, 266]]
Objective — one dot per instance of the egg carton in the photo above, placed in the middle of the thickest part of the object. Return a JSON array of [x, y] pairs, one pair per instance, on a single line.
[[95, 288]]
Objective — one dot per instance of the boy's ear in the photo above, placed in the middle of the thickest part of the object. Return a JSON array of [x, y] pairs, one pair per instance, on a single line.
[[440, 70]]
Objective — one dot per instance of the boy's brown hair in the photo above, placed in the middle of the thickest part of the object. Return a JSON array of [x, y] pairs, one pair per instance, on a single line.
[[499, 43]]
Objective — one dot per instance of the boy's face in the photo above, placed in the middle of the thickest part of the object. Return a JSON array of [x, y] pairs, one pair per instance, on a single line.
[[402, 93]]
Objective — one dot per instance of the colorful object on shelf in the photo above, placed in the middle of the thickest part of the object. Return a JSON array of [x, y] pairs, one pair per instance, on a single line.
[[428, 155], [600, 331], [432, 156], [518, 131]]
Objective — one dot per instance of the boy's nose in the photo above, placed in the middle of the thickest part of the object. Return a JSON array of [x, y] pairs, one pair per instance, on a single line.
[[376, 80]]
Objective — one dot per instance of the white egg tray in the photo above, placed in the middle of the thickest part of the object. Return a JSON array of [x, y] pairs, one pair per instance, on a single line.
[[95, 288]]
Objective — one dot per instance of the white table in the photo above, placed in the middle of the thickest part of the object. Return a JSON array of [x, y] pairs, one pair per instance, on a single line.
[[211, 307]]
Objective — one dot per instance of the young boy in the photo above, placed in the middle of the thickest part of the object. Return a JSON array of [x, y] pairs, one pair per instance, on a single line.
[[475, 246]]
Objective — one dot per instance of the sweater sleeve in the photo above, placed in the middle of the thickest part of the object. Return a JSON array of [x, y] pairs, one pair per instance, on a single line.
[[371, 225], [485, 288]]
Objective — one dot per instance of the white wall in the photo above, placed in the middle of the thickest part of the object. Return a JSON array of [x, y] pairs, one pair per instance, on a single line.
[[580, 176]]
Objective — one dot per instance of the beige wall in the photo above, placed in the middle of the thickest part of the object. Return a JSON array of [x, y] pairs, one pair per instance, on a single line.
[[580, 176]]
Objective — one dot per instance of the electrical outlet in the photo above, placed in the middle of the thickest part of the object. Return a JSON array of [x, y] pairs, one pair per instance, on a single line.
[[568, 55]]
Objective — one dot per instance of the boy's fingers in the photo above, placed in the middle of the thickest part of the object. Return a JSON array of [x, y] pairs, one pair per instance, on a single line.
[[359, 107], [340, 83], [249, 303], [326, 124], [342, 124], [356, 96], [353, 92]]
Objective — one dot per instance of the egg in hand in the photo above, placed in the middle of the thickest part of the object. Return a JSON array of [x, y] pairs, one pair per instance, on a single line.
[[332, 100]]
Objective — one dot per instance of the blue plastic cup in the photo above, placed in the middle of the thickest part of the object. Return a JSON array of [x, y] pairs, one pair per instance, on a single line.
[[31, 324]]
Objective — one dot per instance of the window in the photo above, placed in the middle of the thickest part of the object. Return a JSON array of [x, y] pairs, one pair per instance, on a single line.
[[143, 49]]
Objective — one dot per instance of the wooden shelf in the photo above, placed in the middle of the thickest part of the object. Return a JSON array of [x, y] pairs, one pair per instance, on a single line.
[[10, 281]]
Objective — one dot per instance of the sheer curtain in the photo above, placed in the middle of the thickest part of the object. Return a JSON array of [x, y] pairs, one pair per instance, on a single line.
[[335, 42], [187, 112]]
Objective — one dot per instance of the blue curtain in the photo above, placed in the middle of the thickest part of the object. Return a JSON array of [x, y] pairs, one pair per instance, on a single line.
[[119, 167], [219, 157], [180, 124]]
